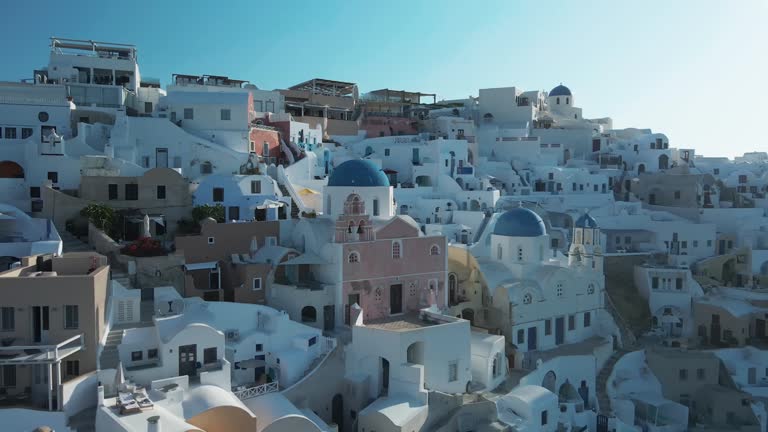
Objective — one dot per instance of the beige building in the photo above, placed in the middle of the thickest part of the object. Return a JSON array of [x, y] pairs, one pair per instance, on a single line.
[[217, 260], [677, 187], [161, 193], [724, 409], [52, 311], [683, 373], [325, 103]]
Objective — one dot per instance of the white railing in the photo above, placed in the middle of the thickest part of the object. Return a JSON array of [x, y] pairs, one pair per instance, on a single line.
[[50, 352], [260, 390], [328, 344]]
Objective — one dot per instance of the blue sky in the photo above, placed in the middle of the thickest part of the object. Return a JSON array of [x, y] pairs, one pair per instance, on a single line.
[[696, 70]]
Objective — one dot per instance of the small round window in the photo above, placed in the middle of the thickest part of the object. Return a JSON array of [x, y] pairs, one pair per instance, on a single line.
[[42, 116]]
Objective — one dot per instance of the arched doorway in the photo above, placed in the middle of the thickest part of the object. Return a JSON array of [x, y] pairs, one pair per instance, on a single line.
[[549, 381], [415, 353], [309, 314], [10, 169], [474, 205], [641, 168], [452, 287], [337, 411], [384, 382], [469, 315], [663, 161]]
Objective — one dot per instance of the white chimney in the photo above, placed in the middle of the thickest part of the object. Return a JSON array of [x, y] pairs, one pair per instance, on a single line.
[[153, 424]]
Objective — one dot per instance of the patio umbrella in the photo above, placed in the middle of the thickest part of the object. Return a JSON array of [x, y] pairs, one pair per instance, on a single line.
[[145, 228], [119, 376]]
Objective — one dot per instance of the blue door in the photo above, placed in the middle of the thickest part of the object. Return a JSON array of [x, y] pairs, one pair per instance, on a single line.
[[531, 338]]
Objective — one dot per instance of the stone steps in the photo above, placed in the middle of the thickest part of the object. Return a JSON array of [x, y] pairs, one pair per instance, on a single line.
[[603, 401]]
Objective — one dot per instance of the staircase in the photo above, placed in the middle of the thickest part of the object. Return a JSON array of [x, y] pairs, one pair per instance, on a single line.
[[628, 338], [294, 207], [603, 401], [110, 357], [72, 243], [480, 230]]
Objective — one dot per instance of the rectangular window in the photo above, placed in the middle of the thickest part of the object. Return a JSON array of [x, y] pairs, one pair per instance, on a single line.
[[700, 374], [137, 355], [148, 107], [679, 283], [521, 336], [234, 213], [684, 244], [71, 317], [312, 341], [386, 152], [587, 319], [112, 191], [226, 114], [145, 161], [453, 371], [677, 194], [709, 243], [34, 192], [53, 176], [152, 353], [571, 322], [547, 327], [255, 186], [211, 240], [9, 376], [627, 240], [8, 318], [259, 347], [10, 133], [655, 282], [544, 417], [131, 192], [695, 243], [72, 368], [218, 194], [189, 114], [160, 191], [375, 207], [683, 374], [26, 133], [256, 284], [209, 355]]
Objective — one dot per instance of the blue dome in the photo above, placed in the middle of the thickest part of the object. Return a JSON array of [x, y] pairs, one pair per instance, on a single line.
[[519, 222], [358, 172], [560, 90], [586, 221]]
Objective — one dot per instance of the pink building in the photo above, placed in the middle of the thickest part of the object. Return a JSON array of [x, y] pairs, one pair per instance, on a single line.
[[388, 266]]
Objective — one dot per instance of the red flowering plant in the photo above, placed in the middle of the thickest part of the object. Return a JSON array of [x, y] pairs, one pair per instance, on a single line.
[[144, 247]]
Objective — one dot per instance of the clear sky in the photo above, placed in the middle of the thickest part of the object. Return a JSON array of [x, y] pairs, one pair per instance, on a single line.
[[696, 70]]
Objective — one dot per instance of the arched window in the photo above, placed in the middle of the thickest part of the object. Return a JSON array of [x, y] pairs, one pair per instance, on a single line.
[[351, 227], [353, 257], [558, 101], [396, 250], [361, 227], [527, 299], [567, 100], [434, 250], [499, 252], [309, 314]]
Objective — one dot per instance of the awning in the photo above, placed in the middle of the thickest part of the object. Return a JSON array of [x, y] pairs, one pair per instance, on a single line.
[[306, 258], [202, 266], [308, 191], [267, 203]]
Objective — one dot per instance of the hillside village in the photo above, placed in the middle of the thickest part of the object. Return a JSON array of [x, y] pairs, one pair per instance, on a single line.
[[212, 256]]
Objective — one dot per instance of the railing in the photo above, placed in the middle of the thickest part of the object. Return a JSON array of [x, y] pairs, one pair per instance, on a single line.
[[6, 99], [51, 351], [260, 390]]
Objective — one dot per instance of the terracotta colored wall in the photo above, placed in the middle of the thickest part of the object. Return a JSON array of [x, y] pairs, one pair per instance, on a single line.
[[374, 126], [230, 238], [242, 283], [259, 136], [224, 419]]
